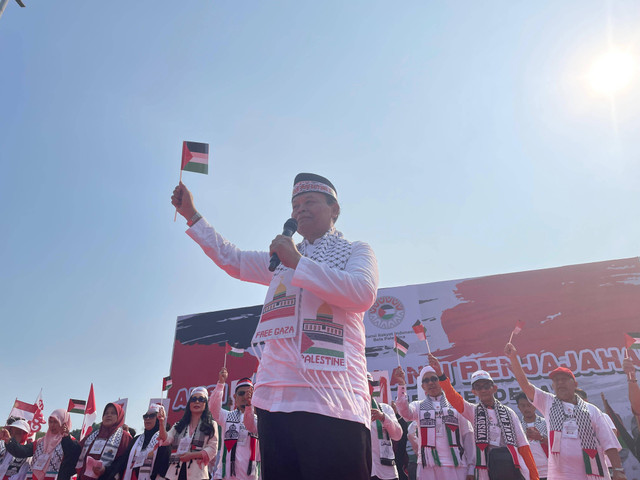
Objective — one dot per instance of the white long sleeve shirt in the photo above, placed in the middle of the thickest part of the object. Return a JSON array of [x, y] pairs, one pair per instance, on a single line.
[[281, 385], [393, 428]]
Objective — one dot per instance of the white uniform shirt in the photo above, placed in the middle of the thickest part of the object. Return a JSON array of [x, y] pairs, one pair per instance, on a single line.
[[282, 386], [394, 430], [538, 454], [569, 464]]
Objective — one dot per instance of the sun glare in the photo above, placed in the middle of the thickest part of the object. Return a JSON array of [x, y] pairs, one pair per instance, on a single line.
[[612, 72]]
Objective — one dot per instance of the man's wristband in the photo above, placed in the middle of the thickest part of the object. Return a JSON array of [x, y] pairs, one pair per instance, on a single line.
[[442, 377], [194, 219]]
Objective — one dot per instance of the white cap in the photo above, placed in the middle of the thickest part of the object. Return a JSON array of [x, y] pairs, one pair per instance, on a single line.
[[425, 370], [21, 425], [200, 391], [480, 375]]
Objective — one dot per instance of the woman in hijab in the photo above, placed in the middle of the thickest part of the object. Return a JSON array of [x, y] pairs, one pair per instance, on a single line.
[[193, 440], [104, 446], [146, 460], [55, 454]]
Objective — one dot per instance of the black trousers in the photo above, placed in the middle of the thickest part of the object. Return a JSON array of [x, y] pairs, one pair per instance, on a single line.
[[308, 446]]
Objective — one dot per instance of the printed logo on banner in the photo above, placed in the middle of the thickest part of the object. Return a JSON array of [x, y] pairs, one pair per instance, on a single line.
[[386, 313]]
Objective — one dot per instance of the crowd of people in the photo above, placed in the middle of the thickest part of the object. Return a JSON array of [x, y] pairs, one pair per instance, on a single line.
[[312, 413]]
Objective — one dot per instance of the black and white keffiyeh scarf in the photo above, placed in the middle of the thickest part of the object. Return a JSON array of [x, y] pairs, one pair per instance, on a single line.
[[231, 436], [53, 466], [428, 424], [332, 249], [109, 451], [540, 425], [507, 428], [586, 433]]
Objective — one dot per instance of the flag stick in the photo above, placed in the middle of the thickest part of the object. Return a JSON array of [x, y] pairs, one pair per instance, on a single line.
[[626, 355], [175, 215], [427, 341], [225, 356], [511, 337], [395, 347]]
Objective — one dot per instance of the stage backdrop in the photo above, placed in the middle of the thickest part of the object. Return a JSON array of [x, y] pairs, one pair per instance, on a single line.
[[574, 316]]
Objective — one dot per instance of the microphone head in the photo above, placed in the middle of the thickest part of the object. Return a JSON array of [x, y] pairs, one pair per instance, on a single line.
[[291, 225]]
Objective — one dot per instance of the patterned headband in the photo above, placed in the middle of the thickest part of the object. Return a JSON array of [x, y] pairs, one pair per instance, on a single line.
[[305, 186]]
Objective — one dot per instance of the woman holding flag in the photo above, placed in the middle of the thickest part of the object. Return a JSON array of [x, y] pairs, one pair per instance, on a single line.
[[55, 454], [146, 459], [103, 447]]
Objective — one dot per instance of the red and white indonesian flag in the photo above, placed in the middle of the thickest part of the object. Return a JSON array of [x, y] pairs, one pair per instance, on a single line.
[[89, 414], [518, 327], [632, 340], [195, 157], [23, 410]]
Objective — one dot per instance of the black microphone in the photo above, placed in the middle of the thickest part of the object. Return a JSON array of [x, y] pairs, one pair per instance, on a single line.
[[290, 227]]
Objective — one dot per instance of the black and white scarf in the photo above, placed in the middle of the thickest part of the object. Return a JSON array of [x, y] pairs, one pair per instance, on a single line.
[[55, 460], [507, 429], [428, 423], [231, 436], [332, 249], [108, 453], [586, 433], [138, 449], [198, 441], [540, 425], [387, 456], [9, 465]]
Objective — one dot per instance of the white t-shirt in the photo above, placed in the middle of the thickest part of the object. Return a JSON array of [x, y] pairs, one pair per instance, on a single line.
[[569, 463], [394, 430], [538, 454]]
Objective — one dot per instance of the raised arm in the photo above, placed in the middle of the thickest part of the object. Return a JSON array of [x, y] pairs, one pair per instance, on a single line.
[[215, 401], [250, 419], [526, 386], [455, 399], [405, 409]]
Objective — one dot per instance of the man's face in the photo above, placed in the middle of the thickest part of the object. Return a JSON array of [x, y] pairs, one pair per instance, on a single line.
[[240, 397], [526, 408], [17, 434], [484, 390], [565, 387], [313, 214], [431, 385]]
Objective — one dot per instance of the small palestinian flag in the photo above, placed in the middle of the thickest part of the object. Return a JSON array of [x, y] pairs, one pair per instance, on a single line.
[[76, 406], [235, 352], [632, 340], [518, 327], [195, 157], [167, 383], [420, 330], [400, 346]]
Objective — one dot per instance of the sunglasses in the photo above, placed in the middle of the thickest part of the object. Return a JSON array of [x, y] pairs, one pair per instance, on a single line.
[[482, 386], [430, 379], [148, 416], [198, 399]]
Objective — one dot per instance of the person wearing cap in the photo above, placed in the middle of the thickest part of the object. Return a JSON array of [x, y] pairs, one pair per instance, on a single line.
[[311, 394], [146, 460], [193, 439], [384, 429], [579, 435], [239, 429], [502, 449], [104, 447], [445, 438], [54, 455], [13, 468], [535, 427]]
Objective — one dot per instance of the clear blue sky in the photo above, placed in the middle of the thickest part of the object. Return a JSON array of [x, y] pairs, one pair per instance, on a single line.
[[463, 139]]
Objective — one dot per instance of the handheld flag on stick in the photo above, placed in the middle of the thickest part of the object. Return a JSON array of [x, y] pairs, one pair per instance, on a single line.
[[632, 340], [517, 329], [167, 383], [76, 406], [195, 158], [23, 410], [625, 439], [400, 346], [421, 332], [89, 414]]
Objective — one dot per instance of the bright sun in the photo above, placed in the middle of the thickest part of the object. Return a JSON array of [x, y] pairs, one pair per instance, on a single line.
[[612, 72]]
